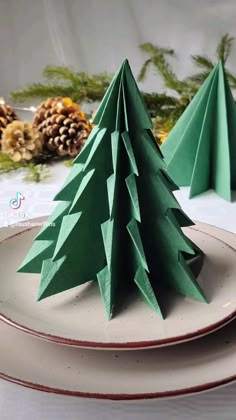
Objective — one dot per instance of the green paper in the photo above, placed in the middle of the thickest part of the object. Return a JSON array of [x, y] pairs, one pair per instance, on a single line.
[[107, 234], [119, 224], [40, 251], [105, 286], [132, 188], [71, 185], [51, 229], [200, 150], [94, 159], [83, 155], [135, 235], [129, 150], [114, 148], [146, 291], [111, 184], [67, 231], [83, 188]]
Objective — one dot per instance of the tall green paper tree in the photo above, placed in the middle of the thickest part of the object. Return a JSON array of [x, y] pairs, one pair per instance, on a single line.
[[200, 150], [118, 223]]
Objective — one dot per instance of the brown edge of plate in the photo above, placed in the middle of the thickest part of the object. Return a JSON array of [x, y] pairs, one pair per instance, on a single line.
[[123, 397]]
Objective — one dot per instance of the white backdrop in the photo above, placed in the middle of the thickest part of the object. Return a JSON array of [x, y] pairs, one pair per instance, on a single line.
[[96, 35]]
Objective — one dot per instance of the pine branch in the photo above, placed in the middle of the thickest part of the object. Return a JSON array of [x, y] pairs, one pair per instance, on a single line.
[[42, 91], [171, 80], [37, 173], [231, 78], [60, 73], [159, 98], [63, 81], [202, 61], [224, 48], [69, 162], [158, 59], [82, 87], [66, 74], [223, 51], [89, 93], [143, 70], [159, 104], [7, 165], [198, 78], [149, 48], [93, 86]]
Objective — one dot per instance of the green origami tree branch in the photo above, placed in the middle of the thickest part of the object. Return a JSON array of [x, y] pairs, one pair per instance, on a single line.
[[118, 223], [200, 151]]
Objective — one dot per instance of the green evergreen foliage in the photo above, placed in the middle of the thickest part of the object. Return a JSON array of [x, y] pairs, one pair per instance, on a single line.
[[63, 81]]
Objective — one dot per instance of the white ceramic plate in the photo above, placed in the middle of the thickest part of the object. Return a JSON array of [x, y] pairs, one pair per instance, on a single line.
[[77, 317], [188, 368]]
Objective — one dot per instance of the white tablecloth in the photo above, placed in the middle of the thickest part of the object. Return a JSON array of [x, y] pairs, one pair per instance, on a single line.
[[18, 403]]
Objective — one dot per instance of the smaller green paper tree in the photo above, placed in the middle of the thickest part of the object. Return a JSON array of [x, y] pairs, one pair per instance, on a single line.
[[200, 150], [118, 223]]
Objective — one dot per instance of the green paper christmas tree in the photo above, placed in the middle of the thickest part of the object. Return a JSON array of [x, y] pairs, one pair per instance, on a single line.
[[200, 150], [119, 223]]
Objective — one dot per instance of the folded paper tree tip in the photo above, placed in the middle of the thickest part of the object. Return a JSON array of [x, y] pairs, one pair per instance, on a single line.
[[200, 150], [119, 224]]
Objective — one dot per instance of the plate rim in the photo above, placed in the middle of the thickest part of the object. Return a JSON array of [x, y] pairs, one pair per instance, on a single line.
[[190, 391], [139, 345], [125, 346]]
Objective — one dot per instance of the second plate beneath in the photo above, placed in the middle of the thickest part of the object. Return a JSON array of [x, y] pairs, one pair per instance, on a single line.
[[77, 317]]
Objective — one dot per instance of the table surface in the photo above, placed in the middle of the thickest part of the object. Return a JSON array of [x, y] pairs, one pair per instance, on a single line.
[[18, 403]]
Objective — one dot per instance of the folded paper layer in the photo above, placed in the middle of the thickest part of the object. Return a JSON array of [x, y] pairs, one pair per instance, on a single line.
[[200, 150], [119, 223]]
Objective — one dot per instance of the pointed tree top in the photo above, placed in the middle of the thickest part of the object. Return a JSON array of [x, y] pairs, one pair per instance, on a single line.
[[123, 104], [219, 66]]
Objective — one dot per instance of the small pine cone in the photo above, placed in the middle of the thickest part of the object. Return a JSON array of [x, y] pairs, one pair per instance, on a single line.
[[53, 119], [21, 141], [62, 122], [63, 130], [68, 122], [60, 119], [3, 122], [63, 138], [51, 143], [55, 130], [48, 113], [54, 111], [63, 150], [41, 115], [72, 132], [57, 141], [7, 115]]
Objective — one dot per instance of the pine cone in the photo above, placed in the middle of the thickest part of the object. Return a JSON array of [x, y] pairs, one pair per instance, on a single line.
[[64, 126], [7, 115], [21, 141]]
